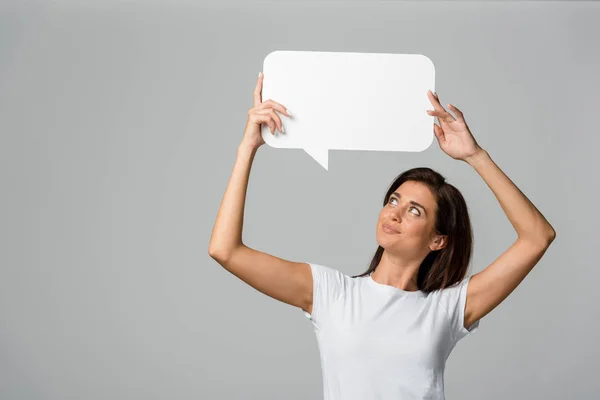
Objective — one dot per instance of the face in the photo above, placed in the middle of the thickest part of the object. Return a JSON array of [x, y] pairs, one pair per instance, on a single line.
[[411, 211]]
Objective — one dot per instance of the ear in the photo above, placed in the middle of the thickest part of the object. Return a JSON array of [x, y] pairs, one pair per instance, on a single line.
[[438, 243]]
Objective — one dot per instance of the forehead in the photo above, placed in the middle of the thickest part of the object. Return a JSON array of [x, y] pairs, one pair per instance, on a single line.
[[418, 192]]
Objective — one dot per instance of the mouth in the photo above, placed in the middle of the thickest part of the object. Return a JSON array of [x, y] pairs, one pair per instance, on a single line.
[[388, 229]]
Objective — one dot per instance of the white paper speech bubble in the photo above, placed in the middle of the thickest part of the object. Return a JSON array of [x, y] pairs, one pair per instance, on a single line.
[[350, 101]]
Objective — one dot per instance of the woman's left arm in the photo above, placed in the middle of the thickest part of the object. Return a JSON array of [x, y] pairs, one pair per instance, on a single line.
[[488, 288], [527, 220]]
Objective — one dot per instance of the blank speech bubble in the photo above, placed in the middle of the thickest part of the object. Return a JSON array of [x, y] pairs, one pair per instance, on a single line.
[[350, 101]]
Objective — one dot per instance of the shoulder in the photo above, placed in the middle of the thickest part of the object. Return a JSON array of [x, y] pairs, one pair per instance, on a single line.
[[328, 285], [454, 300]]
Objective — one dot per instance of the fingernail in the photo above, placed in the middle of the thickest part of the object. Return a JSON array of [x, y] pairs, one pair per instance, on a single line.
[[288, 112], [260, 74], [282, 130]]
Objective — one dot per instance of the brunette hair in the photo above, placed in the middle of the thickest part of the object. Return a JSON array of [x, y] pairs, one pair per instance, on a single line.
[[449, 265]]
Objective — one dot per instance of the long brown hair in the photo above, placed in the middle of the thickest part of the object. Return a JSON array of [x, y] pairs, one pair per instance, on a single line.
[[447, 266]]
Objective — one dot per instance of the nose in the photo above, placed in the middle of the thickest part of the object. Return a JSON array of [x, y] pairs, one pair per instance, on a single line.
[[397, 213], [396, 216]]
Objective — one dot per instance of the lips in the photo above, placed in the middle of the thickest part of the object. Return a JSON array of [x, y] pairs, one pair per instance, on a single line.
[[387, 228]]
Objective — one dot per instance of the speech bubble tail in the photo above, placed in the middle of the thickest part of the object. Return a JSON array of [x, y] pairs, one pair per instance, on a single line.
[[320, 155]]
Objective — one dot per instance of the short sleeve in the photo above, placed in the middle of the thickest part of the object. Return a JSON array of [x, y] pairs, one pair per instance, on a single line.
[[328, 285], [455, 299]]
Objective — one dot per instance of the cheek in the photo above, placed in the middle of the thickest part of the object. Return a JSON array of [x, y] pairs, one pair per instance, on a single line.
[[415, 228]]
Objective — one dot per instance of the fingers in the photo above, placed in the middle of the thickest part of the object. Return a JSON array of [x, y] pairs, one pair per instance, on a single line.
[[435, 101], [263, 111], [270, 106], [442, 115], [439, 111], [460, 116], [273, 104], [258, 89], [264, 118], [273, 116], [439, 133]]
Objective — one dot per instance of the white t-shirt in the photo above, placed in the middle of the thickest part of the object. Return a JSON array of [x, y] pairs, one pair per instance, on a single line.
[[378, 342]]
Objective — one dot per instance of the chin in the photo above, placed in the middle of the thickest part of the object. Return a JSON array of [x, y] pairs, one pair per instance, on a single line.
[[384, 239]]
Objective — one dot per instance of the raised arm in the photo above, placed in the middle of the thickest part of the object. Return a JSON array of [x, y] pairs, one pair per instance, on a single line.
[[287, 281], [488, 288]]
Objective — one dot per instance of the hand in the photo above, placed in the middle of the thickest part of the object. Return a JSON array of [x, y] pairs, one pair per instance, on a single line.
[[262, 112], [453, 134]]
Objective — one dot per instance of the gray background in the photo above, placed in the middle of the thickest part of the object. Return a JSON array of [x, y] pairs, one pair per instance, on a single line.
[[119, 126]]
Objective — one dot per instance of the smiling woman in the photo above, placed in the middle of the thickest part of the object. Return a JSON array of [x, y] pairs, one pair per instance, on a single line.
[[388, 332], [431, 223]]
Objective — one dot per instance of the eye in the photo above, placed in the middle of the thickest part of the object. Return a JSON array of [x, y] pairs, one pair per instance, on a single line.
[[411, 207]]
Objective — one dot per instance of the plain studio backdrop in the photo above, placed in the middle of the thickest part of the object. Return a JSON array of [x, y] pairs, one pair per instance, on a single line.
[[120, 122]]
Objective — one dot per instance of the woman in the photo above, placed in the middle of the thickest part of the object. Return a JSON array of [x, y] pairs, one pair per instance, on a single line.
[[387, 333]]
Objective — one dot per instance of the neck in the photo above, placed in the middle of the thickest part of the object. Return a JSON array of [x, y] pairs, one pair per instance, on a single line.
[[397, 271]]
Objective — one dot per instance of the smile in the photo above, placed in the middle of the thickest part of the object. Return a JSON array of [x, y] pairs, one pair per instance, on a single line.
[[388, 229]]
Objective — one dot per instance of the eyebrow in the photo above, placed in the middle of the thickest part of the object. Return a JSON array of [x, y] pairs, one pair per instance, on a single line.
[[414, 203]]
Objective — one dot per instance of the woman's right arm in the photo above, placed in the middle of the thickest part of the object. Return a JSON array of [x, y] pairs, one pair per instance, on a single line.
[[287, 281], [227, 232]]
